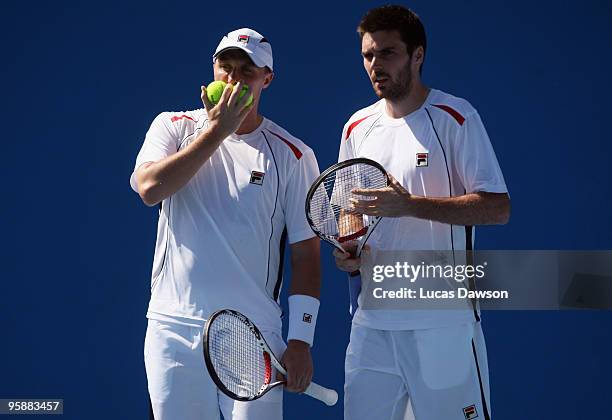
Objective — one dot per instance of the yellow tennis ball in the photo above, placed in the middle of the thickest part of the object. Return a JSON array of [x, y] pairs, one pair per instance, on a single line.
[[214, 91], [243, 91]]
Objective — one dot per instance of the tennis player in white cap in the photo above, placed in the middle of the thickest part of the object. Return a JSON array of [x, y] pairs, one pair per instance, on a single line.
[[232, 186]]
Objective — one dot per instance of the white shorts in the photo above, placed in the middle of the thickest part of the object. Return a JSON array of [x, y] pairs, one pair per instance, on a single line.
[[430, 374], [180, 386]]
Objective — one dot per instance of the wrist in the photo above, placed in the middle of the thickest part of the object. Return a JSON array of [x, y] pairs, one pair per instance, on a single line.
[[303, 311], [298, 345], [411, 204], [216, 131]]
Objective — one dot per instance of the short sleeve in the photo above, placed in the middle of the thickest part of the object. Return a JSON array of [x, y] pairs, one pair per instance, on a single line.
[[160, 141], [476, 163], [345, 152], [304, 174]]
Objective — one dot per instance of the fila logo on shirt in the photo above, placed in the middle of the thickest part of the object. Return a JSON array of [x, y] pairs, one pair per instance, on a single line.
[[257, 177], [422, 159], [244, 39], [470, 412]]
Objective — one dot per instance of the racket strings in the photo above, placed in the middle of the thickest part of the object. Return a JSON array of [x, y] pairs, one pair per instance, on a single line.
[[330, 206], [237, 358]]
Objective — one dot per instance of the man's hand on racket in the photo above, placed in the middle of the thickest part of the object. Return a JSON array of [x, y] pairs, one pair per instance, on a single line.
[[391, 201], [227, 116], [346, 261], [297, 360]]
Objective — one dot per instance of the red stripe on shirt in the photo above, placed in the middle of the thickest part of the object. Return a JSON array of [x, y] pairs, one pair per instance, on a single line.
[[353, 125], [456, 115], [173, 119], [294, 149]]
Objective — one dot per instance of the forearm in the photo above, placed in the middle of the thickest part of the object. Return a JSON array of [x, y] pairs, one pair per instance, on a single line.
[[306, 268], [304, 292], [159, 180], [467, 210], [306, 281]]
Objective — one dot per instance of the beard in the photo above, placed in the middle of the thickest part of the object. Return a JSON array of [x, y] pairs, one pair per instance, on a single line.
[[395, 89]]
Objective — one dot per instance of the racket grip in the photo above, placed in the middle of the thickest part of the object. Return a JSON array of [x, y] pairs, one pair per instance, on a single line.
[[328, 396]]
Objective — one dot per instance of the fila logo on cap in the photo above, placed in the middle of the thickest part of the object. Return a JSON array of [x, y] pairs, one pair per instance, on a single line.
[[470, 412], [257, 177], [421, 159], [244, 39]]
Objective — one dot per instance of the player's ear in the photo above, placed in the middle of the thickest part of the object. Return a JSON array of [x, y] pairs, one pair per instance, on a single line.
[[268, 79], [418, 55]]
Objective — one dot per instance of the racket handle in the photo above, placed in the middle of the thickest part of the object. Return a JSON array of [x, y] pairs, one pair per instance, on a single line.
[[328, 396]]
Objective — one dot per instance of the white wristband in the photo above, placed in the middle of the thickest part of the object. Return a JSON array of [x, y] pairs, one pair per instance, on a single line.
[[303, 310]]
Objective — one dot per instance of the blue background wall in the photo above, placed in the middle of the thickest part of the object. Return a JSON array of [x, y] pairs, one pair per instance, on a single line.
[[81, 82]]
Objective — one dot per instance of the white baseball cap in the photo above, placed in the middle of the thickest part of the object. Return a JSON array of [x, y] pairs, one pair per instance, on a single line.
[[251, 42]]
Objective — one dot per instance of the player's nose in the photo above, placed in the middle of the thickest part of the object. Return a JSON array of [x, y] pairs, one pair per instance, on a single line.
[[375, 63], [234, 78]]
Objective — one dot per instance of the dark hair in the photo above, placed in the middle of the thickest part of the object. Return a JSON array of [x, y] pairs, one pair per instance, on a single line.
[[395, 18]]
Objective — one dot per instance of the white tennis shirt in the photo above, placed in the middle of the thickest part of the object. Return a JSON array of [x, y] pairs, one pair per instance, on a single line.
[[440, 150], [220, 238]]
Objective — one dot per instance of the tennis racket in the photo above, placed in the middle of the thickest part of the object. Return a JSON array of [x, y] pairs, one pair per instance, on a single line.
[[328, 207], [240, 361]]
